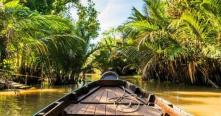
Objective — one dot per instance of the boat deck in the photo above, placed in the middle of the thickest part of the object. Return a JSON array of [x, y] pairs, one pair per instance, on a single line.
[[109, 101]]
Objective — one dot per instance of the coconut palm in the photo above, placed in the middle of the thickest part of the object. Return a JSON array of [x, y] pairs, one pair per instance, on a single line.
[[180, 37], [47, 42]]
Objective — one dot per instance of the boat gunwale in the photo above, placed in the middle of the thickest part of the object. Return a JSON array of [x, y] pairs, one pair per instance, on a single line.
[[63, 98], [73, 96]]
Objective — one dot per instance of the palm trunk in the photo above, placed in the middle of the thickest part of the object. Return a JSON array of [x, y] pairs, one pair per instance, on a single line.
[[3, 50]]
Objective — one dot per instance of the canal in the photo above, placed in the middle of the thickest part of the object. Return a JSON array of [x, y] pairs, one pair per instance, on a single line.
[[201, 101]]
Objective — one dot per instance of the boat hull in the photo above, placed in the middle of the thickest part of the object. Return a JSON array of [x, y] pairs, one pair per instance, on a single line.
[[106, 96]]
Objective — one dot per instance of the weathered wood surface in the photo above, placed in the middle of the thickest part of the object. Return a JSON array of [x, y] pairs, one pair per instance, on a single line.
[[108, 93], [99, 103], [96, 98]]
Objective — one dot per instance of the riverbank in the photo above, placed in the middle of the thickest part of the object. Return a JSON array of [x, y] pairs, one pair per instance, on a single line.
[[29, 92]]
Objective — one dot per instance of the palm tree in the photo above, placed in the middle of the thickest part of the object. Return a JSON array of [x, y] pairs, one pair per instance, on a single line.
[[37, 40], [180, 37], [87, 27]]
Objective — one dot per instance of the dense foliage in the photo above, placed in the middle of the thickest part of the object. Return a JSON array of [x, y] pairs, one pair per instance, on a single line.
[[179, 40], [109, 55], [43, 41], [171, 40]]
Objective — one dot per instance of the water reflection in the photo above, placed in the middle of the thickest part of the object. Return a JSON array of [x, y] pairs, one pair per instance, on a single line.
[[26, 102], [200, 101]]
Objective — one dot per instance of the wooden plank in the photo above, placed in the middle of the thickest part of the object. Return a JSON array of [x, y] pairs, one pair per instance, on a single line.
[[93, 90], [90, 109], [110, 93], [82, 108], [95, 97], [86, 108], [110, 109], [120, 92], [106, 99], [142, 111], [118, 112], [73, 108], [125, 111], [69, 108], [142, 100], [100, 108], [129, 111], [104, 96], [98, 95]]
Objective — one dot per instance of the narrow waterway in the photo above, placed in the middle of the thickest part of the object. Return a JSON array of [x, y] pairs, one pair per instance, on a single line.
[[199, 101]]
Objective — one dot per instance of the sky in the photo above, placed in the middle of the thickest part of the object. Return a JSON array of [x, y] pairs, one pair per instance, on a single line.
[[112, 13]]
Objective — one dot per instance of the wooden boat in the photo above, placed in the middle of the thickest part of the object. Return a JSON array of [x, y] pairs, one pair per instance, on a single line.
[[110, 96]]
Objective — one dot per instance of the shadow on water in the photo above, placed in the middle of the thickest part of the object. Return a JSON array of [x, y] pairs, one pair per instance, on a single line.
[[201, 101]]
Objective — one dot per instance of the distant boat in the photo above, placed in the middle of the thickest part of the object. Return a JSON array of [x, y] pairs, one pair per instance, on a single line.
[[111, 96]]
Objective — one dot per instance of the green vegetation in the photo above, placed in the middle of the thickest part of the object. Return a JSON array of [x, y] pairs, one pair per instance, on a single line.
[[173, 40], [109, 56], [176, 41], [46, 42]]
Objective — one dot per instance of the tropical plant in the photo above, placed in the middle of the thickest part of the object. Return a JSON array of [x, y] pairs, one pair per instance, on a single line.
[[109, 56], [49, 6], [181, 38], [87, 27], [49, 46]]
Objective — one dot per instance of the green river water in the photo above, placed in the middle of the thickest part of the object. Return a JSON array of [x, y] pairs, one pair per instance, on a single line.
[[199, 101]]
